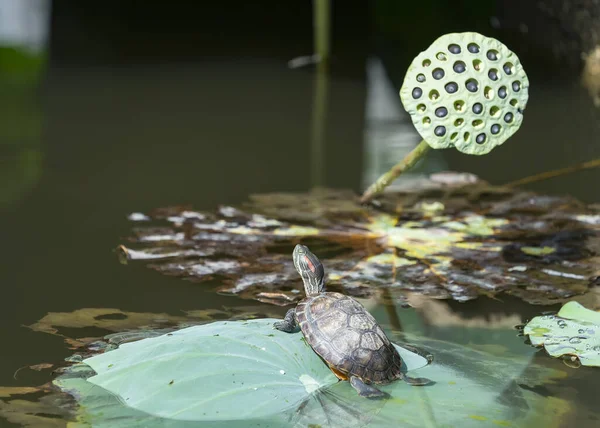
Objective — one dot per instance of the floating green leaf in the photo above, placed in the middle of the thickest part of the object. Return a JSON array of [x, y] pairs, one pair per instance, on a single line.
[[573, 333], [242, 374], [197, 373]]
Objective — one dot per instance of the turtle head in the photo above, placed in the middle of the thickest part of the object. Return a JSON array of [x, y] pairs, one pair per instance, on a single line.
[[310, 269]]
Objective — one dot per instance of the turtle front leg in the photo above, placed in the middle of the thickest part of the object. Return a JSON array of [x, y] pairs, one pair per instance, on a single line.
[[289, 324], [365, 390]]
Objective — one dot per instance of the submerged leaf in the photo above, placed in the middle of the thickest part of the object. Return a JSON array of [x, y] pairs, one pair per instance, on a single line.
[[103, 318], [41, 366], [574, 332], [448, 238], [538, 251], [6, 391], [126, 325], [27, 407]]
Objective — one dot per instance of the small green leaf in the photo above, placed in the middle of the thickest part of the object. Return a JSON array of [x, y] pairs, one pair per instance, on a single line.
[[538, 251], [573, 332]]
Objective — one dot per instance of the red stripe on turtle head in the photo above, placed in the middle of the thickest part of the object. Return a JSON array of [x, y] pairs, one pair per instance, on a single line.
[[310, 264]]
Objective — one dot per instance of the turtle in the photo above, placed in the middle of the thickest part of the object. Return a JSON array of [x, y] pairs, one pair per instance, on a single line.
[[342, 332]]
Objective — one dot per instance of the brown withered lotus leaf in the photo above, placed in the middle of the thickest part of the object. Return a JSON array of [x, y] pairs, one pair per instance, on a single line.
[[321, 206], [11, 391], [76, 326], [108, 319], [37, 367], [53, 409], [450, 237]]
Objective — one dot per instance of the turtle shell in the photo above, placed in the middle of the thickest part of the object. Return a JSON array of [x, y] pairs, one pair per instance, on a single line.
[[347, 337]]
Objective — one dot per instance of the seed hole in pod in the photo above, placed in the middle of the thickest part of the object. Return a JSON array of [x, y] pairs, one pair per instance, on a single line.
[[440, 131], [477, 108], [488, 92], [514, 102], [434, 95], [466, 136], [426, 121], [453, 136], [516, 86], [420, 77], [438, 73], [459, 67], [426, 63], [441, 112], [494, 110], [480, 138], [421, 108], [451, 87], [508, 117], [459, 105], [493, 74], [417, 92], [472, 85], [458, 122], [508, 68], [441, 56], [477, 123], [492, 54], [495, 129], [477, 64], [502, 92], [473, 47], [454, 48]]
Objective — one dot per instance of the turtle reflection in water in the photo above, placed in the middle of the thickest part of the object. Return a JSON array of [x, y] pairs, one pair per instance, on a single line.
[[342, 332]]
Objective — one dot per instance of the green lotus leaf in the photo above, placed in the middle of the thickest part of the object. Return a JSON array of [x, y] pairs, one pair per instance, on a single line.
[[574, 332], [199, 372], [245, 374]]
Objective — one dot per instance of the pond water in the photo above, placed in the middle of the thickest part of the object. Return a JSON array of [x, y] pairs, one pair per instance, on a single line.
[[116, 140]]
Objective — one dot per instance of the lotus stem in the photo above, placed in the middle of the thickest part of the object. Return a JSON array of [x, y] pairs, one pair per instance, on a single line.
[[386, 179], [555, 173], [321, 30]]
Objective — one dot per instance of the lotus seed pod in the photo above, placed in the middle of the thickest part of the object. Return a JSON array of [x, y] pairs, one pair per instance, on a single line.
[[466, 91]]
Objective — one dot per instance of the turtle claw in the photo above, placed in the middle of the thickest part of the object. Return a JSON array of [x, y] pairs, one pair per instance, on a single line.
[[367, 391], [289, 323], [284, 326], [376, 395], [417, 381]]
